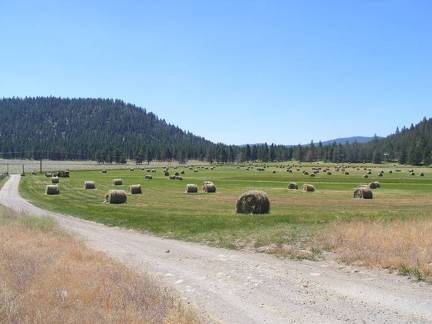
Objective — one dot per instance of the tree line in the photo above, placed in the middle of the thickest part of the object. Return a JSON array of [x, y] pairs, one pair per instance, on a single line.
[[109, 130]]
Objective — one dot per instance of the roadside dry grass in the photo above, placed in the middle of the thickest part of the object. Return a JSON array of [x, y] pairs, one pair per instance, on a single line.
[[47, 276], [404, 246]]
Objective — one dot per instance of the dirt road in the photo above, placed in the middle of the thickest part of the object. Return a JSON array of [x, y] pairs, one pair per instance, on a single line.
[[240, 287]]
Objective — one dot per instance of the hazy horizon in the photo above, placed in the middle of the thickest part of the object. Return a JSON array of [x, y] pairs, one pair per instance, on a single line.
[[243, 72]]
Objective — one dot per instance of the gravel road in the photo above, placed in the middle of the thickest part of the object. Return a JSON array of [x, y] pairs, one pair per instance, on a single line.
[[242, 287]]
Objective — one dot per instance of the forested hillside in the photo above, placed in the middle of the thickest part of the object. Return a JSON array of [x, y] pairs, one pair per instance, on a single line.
[[97, 129], [113, 131]]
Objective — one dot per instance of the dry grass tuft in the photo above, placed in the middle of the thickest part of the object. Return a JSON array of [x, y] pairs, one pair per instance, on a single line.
[[405, 246], [47, 276]]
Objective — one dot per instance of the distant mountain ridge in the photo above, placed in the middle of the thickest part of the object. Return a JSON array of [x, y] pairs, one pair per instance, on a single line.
[[350, 140]]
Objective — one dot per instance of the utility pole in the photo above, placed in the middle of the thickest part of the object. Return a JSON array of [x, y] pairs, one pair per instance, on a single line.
[[23, 169], [40, 166]]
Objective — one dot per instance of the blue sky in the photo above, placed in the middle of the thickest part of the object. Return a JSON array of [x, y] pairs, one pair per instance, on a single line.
[[233, 71]]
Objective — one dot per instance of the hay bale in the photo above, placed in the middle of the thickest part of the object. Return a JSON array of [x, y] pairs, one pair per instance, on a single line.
[[253, 202], [148, 177], [422, 174], [172, 177], [116, 197], [209, 187], [365, 176], [63, 174], [191, 188], [104, 171], [182, 172], [48, 174], [292, 186], [363, 193], [117, 182], [329, 173], [89, 185], [132, 169], [179, 178], [166, 173], [55, 180], [308, 188], [312, 175], [374, 185], [153, 170], [135, 189], [52, 190]]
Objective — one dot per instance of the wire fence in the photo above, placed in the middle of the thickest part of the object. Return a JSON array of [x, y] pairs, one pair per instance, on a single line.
[[19, 166]]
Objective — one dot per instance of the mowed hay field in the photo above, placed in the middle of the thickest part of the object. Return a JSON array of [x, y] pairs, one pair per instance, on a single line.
[[164, 209]]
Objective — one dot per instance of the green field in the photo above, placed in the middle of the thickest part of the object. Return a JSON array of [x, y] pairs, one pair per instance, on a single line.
[[164, 209]]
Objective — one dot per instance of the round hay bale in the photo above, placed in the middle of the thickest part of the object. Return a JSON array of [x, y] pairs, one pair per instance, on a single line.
[[63, 174], [191, 188], [132, 169], [148, 177], [104, 171], [116, 197], [135, 189], [253, 202], [422, 174], [329, 173], [365, 176], [117, 182], [209, 187], [153, 170], [89, 185], [374, 185], [179, 178], [52, 190], [308, 188], [312, 175], [363, 193], [55, 180], [166, 174], [292, 186], [182, 172], [48, 174]]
